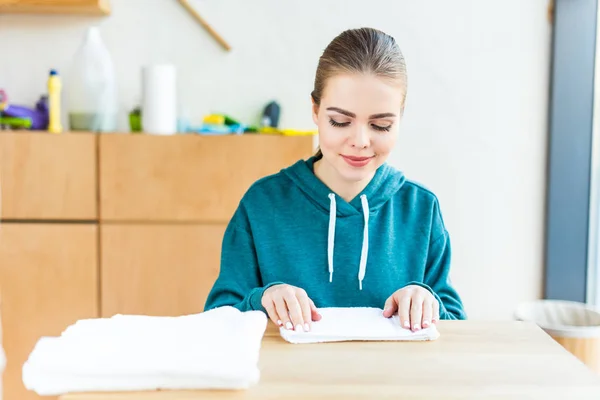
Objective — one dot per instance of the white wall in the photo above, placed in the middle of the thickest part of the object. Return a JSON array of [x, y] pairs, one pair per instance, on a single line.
[[475, 125]]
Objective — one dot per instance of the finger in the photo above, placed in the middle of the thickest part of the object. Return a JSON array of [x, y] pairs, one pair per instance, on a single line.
[[404, 310], [427, 312], [305, 309], [436, 312], [282, 311], [390, 307], [272, 313], [416, 312], [314, 312], [295, 311]]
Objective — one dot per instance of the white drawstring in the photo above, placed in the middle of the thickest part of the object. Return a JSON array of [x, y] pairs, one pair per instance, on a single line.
[[331, 238], [365, 246]]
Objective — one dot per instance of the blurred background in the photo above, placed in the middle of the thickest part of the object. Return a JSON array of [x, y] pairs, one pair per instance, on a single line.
[[121, 221]]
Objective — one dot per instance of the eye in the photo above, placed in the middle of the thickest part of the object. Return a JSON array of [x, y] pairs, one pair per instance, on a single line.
[[338, 124], [381, 128]]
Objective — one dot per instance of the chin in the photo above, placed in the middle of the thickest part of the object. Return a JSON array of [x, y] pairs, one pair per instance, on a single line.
[[354, 174]]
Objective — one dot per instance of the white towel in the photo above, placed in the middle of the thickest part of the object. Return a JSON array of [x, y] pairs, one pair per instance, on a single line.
[[357, 324], [2, 363], [217, 349]]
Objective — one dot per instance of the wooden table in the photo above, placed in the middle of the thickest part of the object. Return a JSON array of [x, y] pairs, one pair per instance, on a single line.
[[471, 360]]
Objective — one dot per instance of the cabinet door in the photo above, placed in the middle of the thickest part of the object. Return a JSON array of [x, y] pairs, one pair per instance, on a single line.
[[48, 280], [191, 178], [48, 177], [158, 269]]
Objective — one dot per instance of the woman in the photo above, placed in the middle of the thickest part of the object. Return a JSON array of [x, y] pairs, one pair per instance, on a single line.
[[343, 228]]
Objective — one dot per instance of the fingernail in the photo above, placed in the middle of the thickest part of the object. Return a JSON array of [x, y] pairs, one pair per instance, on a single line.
[[406, 324], [299, 327], [425, 323], [289, 325], [416, 327], [279, 322], [306, 327]]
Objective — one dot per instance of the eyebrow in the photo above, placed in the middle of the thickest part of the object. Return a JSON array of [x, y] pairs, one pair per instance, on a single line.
[[352, 115]]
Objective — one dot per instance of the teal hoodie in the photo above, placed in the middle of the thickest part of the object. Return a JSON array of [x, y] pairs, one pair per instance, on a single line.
[[290, 228]]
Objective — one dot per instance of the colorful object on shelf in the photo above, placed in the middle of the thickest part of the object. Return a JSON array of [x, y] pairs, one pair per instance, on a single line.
[[214, 129], [135, 120], [214, 119], [219, 124], [223, 124], [15, 115], [54, 93], [271, 115], [15, 123], [286, 132]]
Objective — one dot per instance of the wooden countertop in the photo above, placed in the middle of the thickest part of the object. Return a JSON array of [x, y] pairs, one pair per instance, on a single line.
[[471, 360]]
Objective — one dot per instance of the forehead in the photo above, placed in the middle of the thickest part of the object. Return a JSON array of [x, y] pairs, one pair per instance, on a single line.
[[362, 94]]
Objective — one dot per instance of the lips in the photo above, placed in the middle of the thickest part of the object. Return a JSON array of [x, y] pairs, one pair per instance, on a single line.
[[356, 161]]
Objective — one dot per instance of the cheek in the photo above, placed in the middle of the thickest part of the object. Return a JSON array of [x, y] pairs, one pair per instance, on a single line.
[[330, 138], [384, 144]]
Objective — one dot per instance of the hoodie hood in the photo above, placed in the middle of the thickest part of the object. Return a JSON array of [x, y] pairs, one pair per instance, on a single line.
[[385, 184]]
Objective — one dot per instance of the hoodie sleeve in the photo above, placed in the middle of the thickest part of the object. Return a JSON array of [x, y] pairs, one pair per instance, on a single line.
[[239, 283], [437, 271]]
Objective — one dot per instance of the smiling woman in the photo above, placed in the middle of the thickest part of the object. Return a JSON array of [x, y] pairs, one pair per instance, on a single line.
[[283, 242]]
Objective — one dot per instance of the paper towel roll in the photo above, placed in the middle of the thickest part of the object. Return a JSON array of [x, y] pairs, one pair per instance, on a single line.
[[159, 99]]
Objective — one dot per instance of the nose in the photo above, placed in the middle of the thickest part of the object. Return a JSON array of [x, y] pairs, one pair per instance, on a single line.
[[360, 138]]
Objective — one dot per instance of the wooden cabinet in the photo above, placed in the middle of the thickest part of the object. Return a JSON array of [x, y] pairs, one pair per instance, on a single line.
[[48, 280], [164, 205], [48, 177], [99, 225], [161, 269], [191, 179], [91, 7]]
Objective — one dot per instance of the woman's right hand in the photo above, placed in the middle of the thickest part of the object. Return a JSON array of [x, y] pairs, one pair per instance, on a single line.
[[290, 306]]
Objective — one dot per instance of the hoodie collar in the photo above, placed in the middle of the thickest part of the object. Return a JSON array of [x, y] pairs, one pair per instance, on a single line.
[[385, 183]]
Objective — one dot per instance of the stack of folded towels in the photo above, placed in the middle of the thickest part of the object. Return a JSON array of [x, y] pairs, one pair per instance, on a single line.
[[2, 362], [217, 349]]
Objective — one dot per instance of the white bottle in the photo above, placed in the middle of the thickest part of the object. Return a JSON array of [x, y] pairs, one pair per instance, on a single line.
[[91, 90]]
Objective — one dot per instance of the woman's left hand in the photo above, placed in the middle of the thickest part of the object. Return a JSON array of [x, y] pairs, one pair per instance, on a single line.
[[415, 305]]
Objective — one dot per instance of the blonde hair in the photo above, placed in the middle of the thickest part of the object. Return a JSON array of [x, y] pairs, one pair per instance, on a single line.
[[363, 50]]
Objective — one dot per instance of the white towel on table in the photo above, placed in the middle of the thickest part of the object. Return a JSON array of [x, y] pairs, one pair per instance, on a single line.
[[357, 324], [2, 364], [217, 349]]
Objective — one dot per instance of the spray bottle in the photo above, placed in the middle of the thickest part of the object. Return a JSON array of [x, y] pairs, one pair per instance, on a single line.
[[54, 93]]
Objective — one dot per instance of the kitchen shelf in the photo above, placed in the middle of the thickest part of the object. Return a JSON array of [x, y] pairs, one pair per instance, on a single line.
[[83, 7]]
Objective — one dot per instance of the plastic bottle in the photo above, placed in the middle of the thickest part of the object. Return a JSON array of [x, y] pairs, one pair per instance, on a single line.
[[54, 92], [92, 90]]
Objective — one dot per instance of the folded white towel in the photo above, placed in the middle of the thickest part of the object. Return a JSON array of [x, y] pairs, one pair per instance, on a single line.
[[357, 324], [217, 349], [2, 363]]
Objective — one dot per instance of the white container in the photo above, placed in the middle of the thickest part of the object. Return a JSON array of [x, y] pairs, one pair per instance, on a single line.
[[576, 326], [159, 99], [91, 89]]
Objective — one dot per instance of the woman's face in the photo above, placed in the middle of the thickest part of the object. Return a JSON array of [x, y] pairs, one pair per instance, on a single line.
[[358, 121]]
